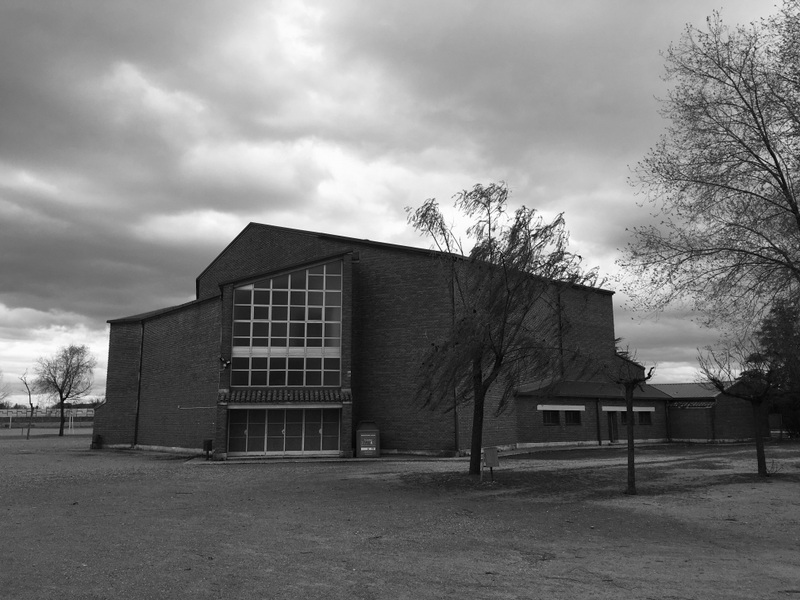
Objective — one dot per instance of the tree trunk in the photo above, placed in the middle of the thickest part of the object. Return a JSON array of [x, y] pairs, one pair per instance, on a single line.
[[61, 428], [479, 395], [631, 489], [758, 419], [30, 423]]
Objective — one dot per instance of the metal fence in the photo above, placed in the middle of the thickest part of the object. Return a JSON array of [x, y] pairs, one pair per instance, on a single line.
[[53, 413]]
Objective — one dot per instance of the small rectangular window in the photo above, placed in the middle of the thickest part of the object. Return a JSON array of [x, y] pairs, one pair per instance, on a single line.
[[645, 418], [572, 417], [550, 417]]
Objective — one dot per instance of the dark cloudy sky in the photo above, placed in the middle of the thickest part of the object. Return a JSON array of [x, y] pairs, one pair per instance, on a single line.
[[137, 139]]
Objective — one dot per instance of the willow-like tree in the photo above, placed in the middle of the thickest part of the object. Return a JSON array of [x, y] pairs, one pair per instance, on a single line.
[[505, 289], [723, 180], [67, 375]]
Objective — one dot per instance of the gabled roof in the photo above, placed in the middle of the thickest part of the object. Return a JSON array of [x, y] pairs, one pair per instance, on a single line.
[[349, 240], [588, 389], [688, 391], [156, 313], [317, 235]]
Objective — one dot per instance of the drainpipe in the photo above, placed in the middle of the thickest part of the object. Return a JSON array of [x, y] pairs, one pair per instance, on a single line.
[[138, 388], [597, 418]]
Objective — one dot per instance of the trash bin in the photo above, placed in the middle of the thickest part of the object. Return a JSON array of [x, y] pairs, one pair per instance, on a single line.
[[490, 457], [368, 440], [208, 446]]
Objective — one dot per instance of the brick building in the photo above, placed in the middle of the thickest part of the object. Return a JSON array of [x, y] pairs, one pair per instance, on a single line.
[[296, 337], [699, 412]]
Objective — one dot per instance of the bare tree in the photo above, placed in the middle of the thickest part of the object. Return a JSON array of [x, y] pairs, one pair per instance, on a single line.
[[29, 387], [68, 375], [631, 376], [5, 390], [723, 180], [504, 302], [741, 370]]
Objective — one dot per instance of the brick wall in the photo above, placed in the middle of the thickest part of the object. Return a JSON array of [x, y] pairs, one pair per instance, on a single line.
[[691, 424], [180, 376], [401, 305], [115, 420], [733, 419], [180, 361]]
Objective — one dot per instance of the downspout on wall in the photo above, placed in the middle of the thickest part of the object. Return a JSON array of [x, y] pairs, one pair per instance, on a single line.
[[138, 388]]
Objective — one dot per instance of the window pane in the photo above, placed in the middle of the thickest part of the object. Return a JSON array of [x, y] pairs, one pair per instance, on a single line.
[[333, 298], [280, 283], [330, 378], [241, 313], [280, 298], [242, 296], [261, 297], [550, 417], [237, 417], [299, 280], [315, 283], [277, 364], [333, 313], [277, 378], [333, 282], [258, 378], [295, 378], [261, 329], [261, 312], [297, 313], [334, 267], [298, 298], [280, 313], [315, 313], [240, 362], [315, 298], [313, 378], [239, 377], [241, 329]]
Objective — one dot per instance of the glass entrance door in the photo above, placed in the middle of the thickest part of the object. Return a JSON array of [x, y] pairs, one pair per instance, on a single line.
[[282, 431]]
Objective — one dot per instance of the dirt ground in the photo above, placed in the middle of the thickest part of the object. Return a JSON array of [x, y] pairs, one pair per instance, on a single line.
[[85, 524]]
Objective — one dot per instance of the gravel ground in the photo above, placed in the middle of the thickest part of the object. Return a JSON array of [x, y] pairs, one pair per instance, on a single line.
[[112, 524]]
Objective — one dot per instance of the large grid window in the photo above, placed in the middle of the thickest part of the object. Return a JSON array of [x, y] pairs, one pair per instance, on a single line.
[[287, 330]]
